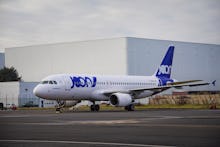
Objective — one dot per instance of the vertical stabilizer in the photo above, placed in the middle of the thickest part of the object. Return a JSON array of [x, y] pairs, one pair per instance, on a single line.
[[165, 67]]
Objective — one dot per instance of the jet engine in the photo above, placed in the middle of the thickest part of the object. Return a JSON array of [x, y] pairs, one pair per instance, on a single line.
[[120, 99]]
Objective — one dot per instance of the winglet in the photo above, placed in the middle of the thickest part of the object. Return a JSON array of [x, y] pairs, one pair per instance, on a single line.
[[213, 83]]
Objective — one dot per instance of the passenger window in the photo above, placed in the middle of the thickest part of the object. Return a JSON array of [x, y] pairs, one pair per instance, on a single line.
[[54, 82], [50, 82]]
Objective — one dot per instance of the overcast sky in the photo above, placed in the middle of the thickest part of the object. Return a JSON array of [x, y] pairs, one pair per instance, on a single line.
[[28, 22]]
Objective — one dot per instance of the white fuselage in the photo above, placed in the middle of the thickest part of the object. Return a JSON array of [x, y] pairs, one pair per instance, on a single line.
[[92, 87]]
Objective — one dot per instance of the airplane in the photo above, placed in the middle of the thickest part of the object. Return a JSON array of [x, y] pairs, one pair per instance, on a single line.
[[120, 91]]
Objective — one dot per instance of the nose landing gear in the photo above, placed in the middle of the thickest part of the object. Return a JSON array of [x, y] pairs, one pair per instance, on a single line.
[[60, 106]]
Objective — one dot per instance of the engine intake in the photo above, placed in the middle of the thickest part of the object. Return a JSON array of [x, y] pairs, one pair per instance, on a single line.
[[120, 99]]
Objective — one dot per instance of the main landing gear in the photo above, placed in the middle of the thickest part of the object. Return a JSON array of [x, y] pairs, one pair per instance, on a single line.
[[129, 107], [94, 107]]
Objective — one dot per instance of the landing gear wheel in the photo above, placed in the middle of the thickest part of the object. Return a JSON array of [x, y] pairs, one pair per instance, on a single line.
[[94, 107], [130, 107], [59, 106], [58, 110], [97, 107]]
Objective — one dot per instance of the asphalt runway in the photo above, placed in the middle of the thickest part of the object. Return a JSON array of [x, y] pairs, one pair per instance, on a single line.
[[117, 128]]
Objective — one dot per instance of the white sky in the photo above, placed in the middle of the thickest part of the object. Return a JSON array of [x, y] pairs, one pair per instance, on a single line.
[[28, 22]]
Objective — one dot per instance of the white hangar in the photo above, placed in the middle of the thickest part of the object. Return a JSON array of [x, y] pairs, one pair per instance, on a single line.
[[117, 56]]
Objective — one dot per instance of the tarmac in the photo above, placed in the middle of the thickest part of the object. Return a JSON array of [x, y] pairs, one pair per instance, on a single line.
[[154, 127]]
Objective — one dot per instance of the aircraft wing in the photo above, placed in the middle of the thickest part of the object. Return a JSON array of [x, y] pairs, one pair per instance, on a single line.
[[173, 85], [158, 89], [184, 82]]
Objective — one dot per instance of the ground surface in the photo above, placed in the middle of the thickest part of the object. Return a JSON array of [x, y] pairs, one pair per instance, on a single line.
[[110, 128]]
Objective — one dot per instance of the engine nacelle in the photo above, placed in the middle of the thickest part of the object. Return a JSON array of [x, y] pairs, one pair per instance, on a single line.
[[120, 99]]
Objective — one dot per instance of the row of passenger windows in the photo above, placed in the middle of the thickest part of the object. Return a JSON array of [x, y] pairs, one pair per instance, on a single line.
[[122, 83], [48, 82]]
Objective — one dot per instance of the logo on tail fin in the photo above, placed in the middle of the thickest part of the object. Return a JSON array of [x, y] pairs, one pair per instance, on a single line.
[[165, 67]]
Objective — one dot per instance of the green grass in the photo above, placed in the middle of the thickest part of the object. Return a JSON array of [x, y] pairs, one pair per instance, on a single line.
[[141, 107], [170, 106], [164, 106]]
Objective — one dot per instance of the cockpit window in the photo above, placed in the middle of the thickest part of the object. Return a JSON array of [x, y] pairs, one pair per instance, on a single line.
[[48, 82], [44, 82]]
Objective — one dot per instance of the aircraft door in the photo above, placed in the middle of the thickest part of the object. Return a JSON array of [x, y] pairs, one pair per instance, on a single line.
[[67, 82]]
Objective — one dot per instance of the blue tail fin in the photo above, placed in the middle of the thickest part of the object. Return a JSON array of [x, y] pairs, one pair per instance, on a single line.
[[165, 67]]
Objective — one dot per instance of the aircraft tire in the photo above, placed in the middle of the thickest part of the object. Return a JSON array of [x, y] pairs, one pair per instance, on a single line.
[[129, 107], [92, 108], [97, 107], [58, 110]]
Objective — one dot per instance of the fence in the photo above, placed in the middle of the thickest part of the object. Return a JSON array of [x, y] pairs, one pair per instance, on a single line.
[[186, 99]]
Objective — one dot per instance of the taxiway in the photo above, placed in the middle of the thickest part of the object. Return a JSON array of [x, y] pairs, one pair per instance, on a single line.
[[117, 128]]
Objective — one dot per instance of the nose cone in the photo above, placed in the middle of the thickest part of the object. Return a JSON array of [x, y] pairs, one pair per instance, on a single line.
[[39, 91], [36, 91]]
